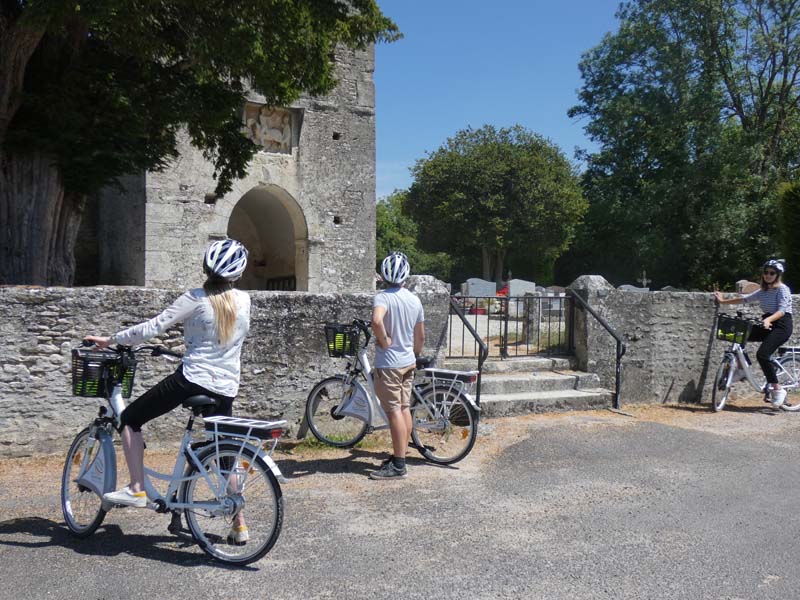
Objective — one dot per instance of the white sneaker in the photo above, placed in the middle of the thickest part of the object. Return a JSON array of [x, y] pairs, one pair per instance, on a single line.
[[126, 497], [778, 397], [239, 536]]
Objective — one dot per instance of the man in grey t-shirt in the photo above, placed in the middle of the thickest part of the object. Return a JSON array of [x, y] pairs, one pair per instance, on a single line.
[[398, 322]]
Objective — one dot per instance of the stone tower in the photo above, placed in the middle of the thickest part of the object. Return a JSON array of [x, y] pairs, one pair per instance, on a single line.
[[305, 209]]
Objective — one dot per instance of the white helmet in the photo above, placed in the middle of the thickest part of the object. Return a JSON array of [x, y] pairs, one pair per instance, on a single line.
[[225, 259], [775, 263], [395, 268]]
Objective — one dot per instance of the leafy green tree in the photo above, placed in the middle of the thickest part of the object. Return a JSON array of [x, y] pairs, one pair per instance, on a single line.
[[95, 90], [695, 108], [790, 231], [498, 195], [395, 231]]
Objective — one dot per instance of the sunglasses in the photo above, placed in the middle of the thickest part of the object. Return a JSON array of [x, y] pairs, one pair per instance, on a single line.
[[771, 273]]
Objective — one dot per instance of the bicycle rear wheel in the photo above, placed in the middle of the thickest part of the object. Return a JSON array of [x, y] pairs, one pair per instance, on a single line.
[[333, 429], [789, 378], [81, 505], [242, 482], [722, 383], [444, 425]]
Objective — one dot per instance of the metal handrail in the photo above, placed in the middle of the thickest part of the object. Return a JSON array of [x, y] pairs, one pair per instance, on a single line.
[[483, 354], [621, 348]]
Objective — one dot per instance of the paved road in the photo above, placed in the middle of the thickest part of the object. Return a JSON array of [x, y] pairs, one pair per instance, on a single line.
[[670, 502]]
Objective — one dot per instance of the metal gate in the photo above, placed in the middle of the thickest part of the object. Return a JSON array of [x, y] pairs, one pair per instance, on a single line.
[[527, 325]]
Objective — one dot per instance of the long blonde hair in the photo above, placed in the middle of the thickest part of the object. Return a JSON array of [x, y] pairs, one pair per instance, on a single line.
[[222, 297]]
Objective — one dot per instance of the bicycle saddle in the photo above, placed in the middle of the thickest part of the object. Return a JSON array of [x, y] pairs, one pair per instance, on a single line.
[[198, 401], [423, 362]]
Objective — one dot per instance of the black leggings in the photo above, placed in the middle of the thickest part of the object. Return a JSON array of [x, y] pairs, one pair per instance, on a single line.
[[771, 340], [166, 395]]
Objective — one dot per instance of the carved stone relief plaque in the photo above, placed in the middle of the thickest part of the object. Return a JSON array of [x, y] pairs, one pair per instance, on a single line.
[[268, 127]]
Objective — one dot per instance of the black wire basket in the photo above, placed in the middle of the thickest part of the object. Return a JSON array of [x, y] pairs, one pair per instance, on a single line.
[[342, 340], [733, 329], [96, 372]]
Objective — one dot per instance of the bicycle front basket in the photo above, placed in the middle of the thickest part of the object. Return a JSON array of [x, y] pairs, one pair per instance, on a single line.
[[733, 329], [342, 340], [94, 373]]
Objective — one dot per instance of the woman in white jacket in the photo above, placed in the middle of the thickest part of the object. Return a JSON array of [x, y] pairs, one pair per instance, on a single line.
[[216, 319]]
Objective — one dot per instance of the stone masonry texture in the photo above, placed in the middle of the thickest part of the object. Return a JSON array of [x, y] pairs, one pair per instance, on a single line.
[[153, 228], [672, 352], [282, 358]]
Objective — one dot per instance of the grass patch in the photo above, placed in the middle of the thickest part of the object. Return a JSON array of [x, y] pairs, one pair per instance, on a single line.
[[374, 441]]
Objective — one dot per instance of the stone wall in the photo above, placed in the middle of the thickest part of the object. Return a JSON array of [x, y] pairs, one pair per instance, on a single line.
[[672, 354], [282, 358]]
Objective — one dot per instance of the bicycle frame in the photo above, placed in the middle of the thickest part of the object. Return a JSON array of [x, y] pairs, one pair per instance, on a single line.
[[363, 408], [741, 359], [100, 475], [363, 403], [176, 479]]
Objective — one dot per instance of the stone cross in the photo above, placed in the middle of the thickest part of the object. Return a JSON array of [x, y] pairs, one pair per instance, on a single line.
[[644, 280]]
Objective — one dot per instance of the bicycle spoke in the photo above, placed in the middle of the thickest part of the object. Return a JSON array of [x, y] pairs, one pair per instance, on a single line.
[[250, 492]]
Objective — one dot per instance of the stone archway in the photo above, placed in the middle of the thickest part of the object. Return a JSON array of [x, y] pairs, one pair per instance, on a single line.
[[270, 223]]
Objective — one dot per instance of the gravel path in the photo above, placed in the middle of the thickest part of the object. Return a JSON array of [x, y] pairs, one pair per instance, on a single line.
[[656, 502]]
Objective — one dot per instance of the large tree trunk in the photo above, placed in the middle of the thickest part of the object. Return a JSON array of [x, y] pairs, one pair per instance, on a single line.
[[39, 222], [17, 45], [492, 263]]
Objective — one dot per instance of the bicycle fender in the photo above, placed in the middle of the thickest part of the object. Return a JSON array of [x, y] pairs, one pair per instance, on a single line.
[[471, 401], [423, 388], [273, 467], [101, 475]]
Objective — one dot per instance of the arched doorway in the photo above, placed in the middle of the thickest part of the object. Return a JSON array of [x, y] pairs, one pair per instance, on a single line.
[[270, 223]]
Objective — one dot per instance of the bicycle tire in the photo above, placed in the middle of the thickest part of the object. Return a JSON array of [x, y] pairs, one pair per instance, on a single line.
[[262, 504], [82, 507], [444, 425], [722, 384], [343, 432], [790, 382]]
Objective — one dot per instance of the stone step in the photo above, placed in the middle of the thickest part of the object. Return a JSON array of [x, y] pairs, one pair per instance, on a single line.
[[504, 405], [537, 381], [512, 365]]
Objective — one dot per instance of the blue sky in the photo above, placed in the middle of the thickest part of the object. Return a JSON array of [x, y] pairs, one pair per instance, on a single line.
[[469, 63]]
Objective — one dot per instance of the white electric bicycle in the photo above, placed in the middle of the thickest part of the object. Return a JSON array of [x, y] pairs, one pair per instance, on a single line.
[[342, 409], [735, 365], [216, 478]]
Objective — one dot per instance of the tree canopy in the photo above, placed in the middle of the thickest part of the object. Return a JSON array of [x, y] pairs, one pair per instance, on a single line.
[[100, 89], [500, 194], [695, 108], [397, 232]]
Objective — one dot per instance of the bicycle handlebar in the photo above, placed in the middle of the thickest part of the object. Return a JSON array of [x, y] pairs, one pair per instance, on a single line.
[[365, 327], [154, 350]]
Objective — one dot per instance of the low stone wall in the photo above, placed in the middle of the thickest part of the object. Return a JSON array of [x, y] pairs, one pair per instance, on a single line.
[[672, 354], [282, 358]]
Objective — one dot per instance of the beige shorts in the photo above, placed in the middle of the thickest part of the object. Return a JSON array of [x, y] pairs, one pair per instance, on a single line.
[[393, 387]]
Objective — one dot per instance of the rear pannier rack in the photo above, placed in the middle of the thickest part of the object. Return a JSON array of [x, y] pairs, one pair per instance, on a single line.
[[220, 425]]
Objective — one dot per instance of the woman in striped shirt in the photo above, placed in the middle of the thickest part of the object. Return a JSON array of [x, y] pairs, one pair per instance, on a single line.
[[775, 298]]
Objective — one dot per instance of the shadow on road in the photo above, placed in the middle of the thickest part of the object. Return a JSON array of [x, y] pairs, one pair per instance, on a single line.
[[358, 461], [766, 409], [108, 540]]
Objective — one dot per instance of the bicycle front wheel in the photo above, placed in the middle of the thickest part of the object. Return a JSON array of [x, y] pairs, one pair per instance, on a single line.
[[336, 430], [82, 506], [722, 384], [444, 425], [789, 379], [233, 482]]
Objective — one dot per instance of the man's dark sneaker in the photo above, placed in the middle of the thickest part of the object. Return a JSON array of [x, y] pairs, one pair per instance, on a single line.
[[389, 471]]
